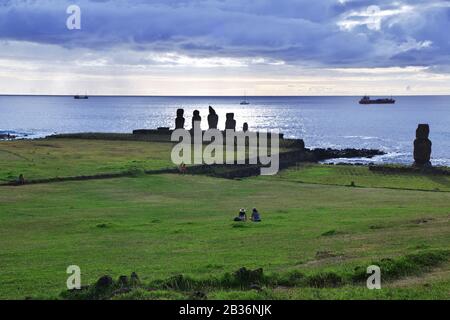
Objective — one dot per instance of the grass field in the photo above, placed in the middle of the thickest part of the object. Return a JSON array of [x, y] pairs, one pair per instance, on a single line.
[[59, 158], [361, 176], [314, 228], [38, 159]]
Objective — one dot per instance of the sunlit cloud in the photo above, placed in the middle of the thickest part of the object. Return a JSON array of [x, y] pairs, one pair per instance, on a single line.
[[173, 59], [389, 70], [371, 17], [221, 47]]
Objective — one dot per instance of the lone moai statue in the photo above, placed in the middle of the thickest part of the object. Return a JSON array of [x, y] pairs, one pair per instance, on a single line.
[[196, 119], [179, 121], [245, 127], [213, 118], [422, 146], [230, 124]]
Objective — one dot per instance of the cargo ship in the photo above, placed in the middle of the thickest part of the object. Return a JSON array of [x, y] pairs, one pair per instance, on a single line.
[[367, 100], [80, 97]]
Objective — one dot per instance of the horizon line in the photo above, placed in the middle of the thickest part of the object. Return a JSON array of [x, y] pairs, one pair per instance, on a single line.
[[217, 96]]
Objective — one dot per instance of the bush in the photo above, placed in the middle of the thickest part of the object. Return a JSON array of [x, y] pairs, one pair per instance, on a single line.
[[325, 280]]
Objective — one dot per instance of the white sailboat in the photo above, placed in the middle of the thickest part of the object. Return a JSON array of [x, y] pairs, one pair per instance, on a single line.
[[245, 101]]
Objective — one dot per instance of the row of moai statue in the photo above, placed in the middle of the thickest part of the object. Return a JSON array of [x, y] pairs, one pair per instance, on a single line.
[[213, 120], [422, 146]]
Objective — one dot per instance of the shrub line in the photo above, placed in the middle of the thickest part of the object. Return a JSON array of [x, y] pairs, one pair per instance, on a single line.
[[246, 279]]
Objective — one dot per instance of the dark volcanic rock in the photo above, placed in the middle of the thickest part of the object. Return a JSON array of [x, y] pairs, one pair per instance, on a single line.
[[255, 287], [230, 124], [298, 144], [422, 131], [104, 282], [196, 119], [324, 154], [179, 121], [248, 277], [123, 281], [121, 291], [213, 118], [422, 146], [134, 279], [7, 136]]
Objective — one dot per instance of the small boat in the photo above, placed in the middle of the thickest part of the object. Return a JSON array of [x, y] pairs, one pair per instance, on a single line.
[[78, 97], [245, 101], [367, 100]]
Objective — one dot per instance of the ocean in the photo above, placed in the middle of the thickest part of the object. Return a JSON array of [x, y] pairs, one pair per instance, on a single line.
[[323, 122]]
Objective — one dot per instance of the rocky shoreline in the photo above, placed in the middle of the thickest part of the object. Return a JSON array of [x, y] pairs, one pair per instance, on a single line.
[[7, 136], [326, 154], [294, 146]]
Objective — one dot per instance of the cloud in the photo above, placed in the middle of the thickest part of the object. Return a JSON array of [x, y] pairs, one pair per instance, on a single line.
[[328, 33], [252, 37], [371, 17]]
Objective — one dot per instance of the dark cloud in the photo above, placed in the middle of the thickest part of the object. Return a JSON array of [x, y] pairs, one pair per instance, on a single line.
[[319, 33]]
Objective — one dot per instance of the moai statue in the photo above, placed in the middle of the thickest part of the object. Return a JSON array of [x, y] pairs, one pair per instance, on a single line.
[[213, 118], [245, 127], [422, 146], [179, 121], [230, 124], [196, 119]]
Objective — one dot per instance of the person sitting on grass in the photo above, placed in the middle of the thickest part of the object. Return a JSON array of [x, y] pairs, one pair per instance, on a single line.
[[256, 217], [182, 168], [21, 180], [242, 215]]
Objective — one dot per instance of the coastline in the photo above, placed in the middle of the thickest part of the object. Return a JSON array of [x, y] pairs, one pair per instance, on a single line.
[[323, 122], [352, 156], [292, 155]]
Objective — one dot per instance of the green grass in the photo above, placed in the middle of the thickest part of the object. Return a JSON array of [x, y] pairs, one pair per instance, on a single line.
[[245, 280], [64, 157], [50, 158], [164, 226], [429, 291], [363, 177]]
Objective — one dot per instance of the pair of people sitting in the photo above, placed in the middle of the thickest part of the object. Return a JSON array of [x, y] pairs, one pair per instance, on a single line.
[[256, 217]]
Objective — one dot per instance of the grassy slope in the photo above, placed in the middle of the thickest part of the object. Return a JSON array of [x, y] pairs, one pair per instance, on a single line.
[[164, 225], [430, 290], [363, 177], [50, 158]]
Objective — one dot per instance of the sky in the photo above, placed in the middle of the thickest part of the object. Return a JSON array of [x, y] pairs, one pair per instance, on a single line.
[[226, 47]]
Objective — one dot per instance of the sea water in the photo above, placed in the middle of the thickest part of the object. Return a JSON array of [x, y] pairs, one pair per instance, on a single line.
[[323, 122]]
